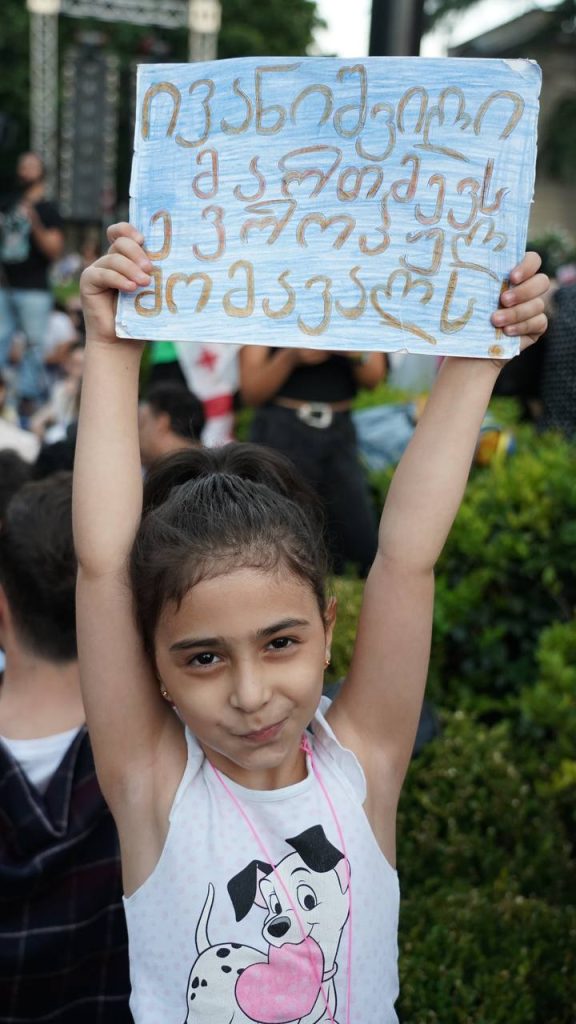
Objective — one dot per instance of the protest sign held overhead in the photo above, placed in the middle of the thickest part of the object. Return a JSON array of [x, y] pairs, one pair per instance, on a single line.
[[317, 202]]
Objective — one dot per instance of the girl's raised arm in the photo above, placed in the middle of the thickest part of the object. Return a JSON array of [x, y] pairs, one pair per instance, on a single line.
[[377, 710], [132, 729]]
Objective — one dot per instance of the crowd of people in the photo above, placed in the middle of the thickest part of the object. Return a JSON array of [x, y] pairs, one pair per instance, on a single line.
[[161, 667]]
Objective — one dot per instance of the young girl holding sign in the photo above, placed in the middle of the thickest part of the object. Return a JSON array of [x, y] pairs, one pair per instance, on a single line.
[[257, 823]]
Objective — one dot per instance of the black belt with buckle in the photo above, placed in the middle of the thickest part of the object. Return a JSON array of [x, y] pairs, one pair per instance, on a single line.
[[314, 414]]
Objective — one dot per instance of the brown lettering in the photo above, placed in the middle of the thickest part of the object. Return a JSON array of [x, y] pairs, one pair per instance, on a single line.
[[164, 251], [260, 180], [322, 177], [354, 312], [187, 279], [151, 92], [218, 225], [156, 292], [311, 90], [448, 326], [390, 125], [268, 219], [358, 173], [261, 111], [324, 223], [315, 330], [212, 175], [288, 306], [248, 308], [440, 181], [518, 104], [437, 236], [229, 129], [209, 85], [409, 184], [358, 108]]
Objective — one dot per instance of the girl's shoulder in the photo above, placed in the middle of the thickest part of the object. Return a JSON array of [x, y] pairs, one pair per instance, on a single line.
[[195, 758], [333, 756]]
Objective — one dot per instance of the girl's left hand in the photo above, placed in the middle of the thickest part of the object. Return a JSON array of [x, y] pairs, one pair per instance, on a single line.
[[522, 303]]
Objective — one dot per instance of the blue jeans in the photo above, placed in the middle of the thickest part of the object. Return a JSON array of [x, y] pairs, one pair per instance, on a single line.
[[26, 310]]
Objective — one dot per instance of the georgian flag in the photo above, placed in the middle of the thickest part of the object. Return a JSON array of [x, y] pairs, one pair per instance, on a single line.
[[211, 372]]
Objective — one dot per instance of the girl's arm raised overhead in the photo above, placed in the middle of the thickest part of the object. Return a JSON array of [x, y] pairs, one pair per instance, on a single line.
[[377, 710], [136, 737]]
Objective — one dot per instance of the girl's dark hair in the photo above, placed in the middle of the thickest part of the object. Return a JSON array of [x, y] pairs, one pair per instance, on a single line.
[[209, 511]]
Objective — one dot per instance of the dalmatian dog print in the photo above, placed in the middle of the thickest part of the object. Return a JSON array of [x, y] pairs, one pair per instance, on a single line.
[[292, 980]]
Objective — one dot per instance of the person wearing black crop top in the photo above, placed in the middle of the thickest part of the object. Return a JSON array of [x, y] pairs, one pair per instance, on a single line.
[[303, 399]]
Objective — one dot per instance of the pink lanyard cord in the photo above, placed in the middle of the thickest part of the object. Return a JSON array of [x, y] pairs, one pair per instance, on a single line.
[[306, 747]]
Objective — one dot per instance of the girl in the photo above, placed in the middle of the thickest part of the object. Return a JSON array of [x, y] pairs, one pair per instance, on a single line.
[[258, 854]]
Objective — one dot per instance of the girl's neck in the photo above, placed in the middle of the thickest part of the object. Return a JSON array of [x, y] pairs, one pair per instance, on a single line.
[[292, 770]]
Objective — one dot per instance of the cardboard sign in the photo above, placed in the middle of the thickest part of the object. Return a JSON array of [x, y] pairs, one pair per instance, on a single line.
[[317, 202]]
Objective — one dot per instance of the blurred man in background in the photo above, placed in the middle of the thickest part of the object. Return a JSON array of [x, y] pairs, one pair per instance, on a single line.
[[31, 239], [169, 419]]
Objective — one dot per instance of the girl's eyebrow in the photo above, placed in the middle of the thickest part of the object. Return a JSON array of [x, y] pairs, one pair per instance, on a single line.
[[219, 641], [277, 627], [203, 641]]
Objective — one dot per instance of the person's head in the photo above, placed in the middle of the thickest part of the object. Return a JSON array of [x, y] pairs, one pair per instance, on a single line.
[[3, 392], [74, 311], [14, 472], [73, 362], [170, 418], [30, 170], [38, 569], [228, 573]]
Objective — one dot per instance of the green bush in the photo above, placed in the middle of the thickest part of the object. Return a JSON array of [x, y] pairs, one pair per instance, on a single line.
[[473, 815], [480, 957], [507, 573], [488, 922], [547, 707], [487, 820]]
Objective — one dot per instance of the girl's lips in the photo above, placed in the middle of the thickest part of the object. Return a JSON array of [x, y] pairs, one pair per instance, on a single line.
[[264, 735]]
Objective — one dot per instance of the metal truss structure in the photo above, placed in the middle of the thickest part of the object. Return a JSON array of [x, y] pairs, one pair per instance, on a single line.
[[163, 13], [89, 139], [44, 92], [202, 17]]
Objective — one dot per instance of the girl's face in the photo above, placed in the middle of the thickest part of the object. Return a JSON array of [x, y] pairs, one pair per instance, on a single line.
[[243, 660]]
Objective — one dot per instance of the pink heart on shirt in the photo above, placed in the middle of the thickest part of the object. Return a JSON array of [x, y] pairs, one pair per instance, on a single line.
[[285, 988]]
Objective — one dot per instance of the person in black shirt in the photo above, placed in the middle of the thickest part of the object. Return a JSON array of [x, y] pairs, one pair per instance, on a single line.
[[303, 399], [559, 370], [31, 238]]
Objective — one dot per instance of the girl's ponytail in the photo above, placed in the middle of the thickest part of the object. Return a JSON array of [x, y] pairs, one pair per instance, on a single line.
[[257, 463]]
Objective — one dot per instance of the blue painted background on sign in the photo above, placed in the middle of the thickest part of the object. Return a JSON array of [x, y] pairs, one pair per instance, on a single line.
[[374, 204]]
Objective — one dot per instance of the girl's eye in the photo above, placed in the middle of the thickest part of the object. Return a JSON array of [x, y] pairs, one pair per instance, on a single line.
[[206, 658], [281, 643]]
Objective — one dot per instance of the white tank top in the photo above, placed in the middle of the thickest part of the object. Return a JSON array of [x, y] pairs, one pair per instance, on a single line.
[[219, 935]]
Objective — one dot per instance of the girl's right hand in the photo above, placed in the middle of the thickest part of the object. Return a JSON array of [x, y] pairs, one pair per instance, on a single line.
[[125, 267]]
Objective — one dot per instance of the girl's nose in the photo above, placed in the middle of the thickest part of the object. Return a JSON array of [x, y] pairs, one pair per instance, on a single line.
[[250, 691]]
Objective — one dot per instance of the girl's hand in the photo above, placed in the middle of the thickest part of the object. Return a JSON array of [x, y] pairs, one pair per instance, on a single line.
[[523, 313], [125, 267]]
